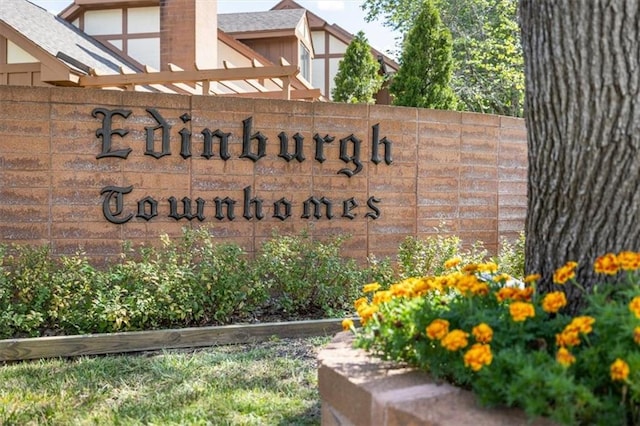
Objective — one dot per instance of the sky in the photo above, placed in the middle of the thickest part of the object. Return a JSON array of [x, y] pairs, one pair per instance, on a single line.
[[346, 14]]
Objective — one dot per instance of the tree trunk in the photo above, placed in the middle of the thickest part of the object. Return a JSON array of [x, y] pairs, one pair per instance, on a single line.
[[582, 110]]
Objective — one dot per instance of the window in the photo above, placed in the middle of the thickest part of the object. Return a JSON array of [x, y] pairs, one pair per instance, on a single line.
[[305, 62]]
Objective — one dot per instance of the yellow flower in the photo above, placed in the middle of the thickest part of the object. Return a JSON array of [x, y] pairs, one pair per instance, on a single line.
[[554, 301], [470, 268], [619, 370], [636, 335], [506, 293], [478, 356], [532, 278], [488, 267], [629, 260], [400, 289], [347, 324], [360, 302], [565, 273], [452, 263], [454, 340], [582, 324], [381, 297], [607, 264], [370, 288], [568, 338], [524, 294], [503, 277], [466, 283], [520, 311], [482, 333], [437, 329], [634, 306], [366, 312], [564, 357]]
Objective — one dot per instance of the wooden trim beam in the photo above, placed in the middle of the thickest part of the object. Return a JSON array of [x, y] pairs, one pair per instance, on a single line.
[[136, 341], [168, 77]]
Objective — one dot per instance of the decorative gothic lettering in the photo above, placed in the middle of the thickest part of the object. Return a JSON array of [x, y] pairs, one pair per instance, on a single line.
[[254, 147], [375, 144], [248, 202], [187, 212], [105, 132], [320, 141], [317, 209], [142, 208], [113, 203], [375, 211], [165, 129], [279, 205], [284, 147], [347, 206], [354, 158], [219, 207], [185, 138], [223, 140], [247, 137]]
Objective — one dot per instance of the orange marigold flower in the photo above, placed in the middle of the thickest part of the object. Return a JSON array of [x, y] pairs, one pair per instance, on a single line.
[[482, 333], [347, 324], [636, 335], [381, 297], [366, 312], [470, 268], [532, 278], [629, 260], [370, 288], [503, 278], [488, 267], [634, 306], [401, 289], [452, 263], [554, 301], [454, 340], [520, 311], [568, 338], [437, 329], [565, 273], [361, 301], [478, 356], [564, 357], [581, 324], [619, 370], [466, 283], [524, 294], [607, 264], [506, 293]]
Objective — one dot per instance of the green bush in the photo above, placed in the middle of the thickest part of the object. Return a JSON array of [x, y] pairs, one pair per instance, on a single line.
[[303, 275], [193, 281]]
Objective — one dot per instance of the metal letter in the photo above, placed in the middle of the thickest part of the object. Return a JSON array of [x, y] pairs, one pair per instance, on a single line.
[[320, 141], [355, 158], [105, 132], [375, 143], [247, 137], [115, 193], [166, 131], [284, 147]]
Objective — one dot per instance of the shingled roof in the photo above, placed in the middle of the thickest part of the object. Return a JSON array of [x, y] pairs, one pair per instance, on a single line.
[[59, 38], [271, 20]]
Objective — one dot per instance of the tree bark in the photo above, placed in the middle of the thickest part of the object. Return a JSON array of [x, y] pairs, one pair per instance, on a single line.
[[582, 110]]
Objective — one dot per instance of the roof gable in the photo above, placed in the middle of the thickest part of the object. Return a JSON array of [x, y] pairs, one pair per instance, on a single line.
[[271, 20], [60, 39]]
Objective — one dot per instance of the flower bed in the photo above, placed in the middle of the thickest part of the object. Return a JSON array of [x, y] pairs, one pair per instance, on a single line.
[[359, 389], [513, 345]]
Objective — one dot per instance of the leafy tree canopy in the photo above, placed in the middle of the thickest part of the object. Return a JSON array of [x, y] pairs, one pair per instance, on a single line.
[[488, 72], [357, 80]]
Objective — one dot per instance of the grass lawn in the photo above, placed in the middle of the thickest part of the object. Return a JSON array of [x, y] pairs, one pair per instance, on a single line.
[[269, 383]]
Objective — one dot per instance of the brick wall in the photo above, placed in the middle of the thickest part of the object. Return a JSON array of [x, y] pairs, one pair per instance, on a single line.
[[466, 169]]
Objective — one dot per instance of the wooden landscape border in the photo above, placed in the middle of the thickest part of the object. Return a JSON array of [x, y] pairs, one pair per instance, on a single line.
[[136, 341]]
